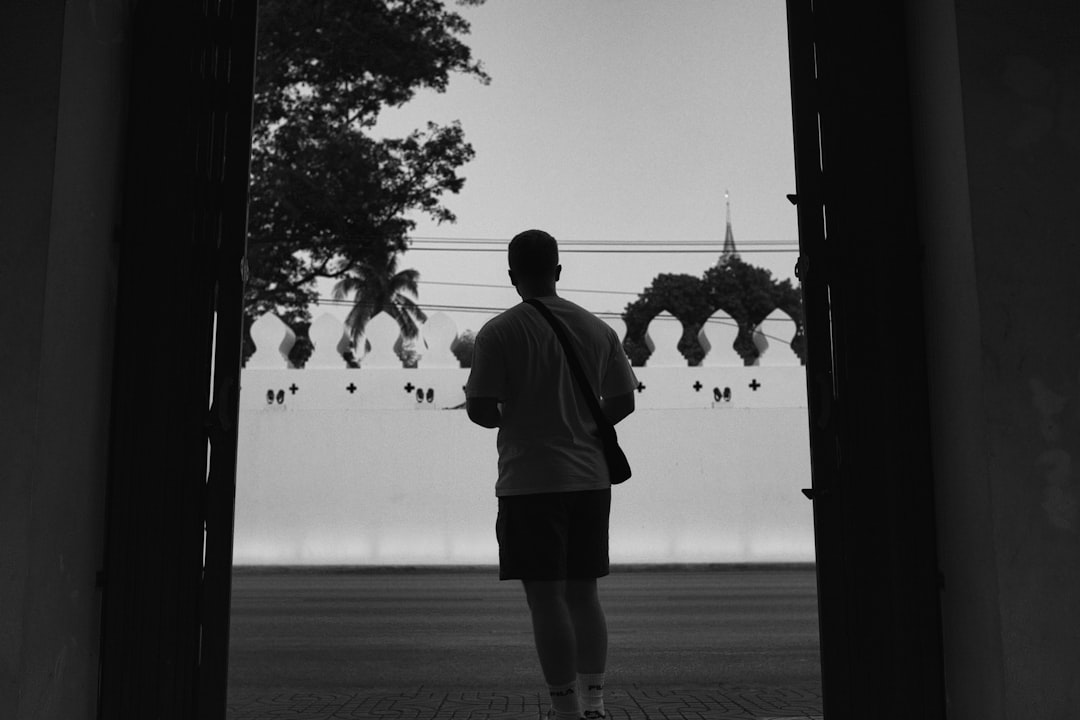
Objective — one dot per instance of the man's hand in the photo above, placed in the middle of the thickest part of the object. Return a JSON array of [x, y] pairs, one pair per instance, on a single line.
[[484, 411]]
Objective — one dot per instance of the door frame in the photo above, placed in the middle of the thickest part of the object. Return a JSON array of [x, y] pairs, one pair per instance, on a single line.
[[166, 582], [860, 269]]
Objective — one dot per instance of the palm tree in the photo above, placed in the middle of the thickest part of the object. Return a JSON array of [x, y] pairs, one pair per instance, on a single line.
[[381, 288]]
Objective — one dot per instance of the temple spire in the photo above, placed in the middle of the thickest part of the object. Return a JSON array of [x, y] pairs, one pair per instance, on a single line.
[[729, 250]]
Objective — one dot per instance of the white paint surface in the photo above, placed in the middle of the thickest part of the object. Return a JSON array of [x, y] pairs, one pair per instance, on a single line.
[[323, 482]]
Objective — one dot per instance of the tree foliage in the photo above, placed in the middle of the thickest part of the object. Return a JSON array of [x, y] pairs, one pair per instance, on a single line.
[[329, 198], [745, 292], [462, 347]]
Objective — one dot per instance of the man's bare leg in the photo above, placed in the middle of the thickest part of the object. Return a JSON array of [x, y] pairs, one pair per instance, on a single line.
[[590, 625], [556, 644], [590, 631]]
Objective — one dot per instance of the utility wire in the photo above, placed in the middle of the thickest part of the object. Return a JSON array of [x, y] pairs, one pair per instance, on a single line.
[[488, 310], [671, 251], [508, 287], [504, 242], [603, 315], [441, 243]]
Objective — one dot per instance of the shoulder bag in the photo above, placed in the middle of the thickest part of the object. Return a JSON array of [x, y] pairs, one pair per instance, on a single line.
[[618, 467]]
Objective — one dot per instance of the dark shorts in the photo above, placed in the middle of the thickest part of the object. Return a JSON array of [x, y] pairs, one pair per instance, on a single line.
[[554, 536]]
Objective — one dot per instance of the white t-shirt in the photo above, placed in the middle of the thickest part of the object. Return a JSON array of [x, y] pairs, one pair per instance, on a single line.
[[547, 438]]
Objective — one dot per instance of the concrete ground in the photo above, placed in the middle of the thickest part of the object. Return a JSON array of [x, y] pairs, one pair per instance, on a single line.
[[456, 643]]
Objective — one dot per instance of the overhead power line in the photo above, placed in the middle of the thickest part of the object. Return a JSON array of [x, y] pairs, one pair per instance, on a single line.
[[482, 310], [504, 241], [490, 310], [509, 287], [474, 244], [621, 251], [436, 243]]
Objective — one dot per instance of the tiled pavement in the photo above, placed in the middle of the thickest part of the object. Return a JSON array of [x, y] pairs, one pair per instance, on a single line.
[[719, 702]]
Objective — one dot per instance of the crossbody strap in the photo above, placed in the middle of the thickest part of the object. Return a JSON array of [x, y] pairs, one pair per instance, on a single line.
[[575, 366]]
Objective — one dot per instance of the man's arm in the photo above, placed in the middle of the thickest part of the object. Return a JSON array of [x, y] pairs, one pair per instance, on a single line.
[[484, 411], [618, 407]]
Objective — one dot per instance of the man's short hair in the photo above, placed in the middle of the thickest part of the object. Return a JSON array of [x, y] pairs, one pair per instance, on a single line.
[[533, 253]]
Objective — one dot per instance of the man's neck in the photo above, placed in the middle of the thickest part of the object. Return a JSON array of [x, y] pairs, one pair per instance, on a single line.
[[530, 293]]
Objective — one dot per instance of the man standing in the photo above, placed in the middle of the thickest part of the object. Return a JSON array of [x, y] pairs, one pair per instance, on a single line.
[[553, 490]]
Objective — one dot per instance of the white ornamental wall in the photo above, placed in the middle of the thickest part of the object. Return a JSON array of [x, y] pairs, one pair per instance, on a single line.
[[380, 465]]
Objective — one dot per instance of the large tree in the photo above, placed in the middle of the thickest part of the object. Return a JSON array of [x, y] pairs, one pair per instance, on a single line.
[[745, 292], [329, 198]]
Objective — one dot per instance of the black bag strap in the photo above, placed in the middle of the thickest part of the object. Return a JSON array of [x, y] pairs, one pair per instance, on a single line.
[[576, 370]]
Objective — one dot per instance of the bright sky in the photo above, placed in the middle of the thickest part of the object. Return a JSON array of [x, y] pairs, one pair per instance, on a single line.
[[612, 120]]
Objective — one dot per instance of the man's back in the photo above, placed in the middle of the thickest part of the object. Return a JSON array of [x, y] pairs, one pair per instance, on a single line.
[[547, 436]]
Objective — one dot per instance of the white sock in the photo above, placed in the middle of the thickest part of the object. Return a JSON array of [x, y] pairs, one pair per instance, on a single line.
[[564, 702], [591, 687]]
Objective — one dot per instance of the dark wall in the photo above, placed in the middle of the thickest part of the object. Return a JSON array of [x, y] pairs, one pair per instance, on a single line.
[[996, 88], [974, 664], [1020, 72], [63, 79]]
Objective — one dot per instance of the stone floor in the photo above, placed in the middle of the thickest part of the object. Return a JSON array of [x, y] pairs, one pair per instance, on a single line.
[[719, 702]]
